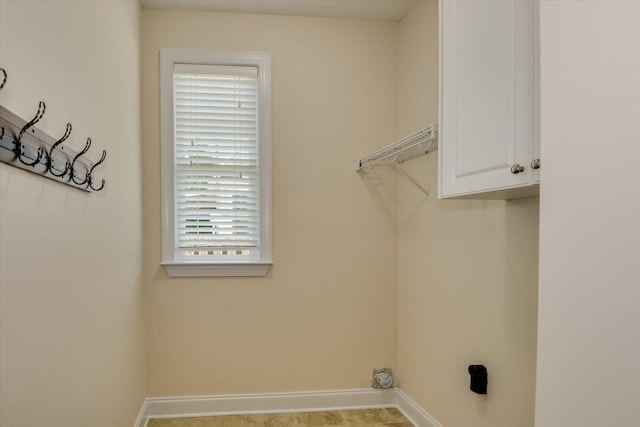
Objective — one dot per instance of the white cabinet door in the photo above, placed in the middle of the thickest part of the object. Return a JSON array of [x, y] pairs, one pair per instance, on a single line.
[[486, 96]]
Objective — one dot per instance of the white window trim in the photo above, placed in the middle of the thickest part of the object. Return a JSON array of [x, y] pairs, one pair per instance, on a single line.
[[262, 60]]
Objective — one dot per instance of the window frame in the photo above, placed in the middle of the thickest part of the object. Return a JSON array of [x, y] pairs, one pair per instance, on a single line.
[[261, 60]]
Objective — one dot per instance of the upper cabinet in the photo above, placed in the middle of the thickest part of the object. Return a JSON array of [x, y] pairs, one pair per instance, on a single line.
[[488, 135]]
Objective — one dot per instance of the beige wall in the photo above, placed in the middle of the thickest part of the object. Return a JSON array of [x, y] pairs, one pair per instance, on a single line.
[[589, 331], [71, 325], [325, 314], [467, 271]]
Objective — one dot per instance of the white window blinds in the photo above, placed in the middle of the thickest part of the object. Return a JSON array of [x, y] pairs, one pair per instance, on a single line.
[[216, 162]]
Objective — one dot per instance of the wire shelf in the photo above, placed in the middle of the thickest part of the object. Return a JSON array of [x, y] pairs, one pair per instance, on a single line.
[[418, 143]]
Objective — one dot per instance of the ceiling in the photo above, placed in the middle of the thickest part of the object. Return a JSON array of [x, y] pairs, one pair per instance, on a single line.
[[381, 10]]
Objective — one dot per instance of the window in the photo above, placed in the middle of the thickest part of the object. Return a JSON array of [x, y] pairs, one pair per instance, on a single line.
[[216, 172]]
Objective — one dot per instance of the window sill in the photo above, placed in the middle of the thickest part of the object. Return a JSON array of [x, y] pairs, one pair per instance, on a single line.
[[254, 269]]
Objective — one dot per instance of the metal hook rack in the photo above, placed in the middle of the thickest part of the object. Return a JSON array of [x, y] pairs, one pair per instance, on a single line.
[[28, 148]]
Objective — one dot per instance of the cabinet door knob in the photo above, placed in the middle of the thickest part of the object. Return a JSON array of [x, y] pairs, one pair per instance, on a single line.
[[535, 164], [517, 168]]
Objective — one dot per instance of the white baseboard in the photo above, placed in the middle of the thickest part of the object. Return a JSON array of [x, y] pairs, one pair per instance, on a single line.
[[143, 415], [413, 412], [169, 407]]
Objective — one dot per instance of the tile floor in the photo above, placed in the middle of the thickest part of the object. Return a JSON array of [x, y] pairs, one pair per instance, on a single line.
[[354, 417]]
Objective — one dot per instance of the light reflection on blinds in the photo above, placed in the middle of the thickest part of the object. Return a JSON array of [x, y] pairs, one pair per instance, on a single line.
[[216, 152]]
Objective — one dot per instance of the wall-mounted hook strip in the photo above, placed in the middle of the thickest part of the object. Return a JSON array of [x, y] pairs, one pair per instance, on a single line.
[[53, 160], [67, 165], [90, 173], [4, 78], [18, 150], [72, 169]]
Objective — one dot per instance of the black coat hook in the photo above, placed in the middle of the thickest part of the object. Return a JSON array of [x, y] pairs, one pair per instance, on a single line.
[[4, 78], [18, 150], [72, 176], [90, 173], [67, 165]]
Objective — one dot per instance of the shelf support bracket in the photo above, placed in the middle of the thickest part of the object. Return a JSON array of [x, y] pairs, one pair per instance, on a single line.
[[410, 178]]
